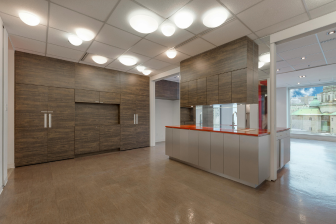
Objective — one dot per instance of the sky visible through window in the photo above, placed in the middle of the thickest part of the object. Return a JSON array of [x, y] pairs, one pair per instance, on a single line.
[[312, 91]]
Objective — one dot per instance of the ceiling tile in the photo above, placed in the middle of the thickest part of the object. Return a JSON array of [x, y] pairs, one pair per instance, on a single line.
[[28, 44], [116, 37], [323, 10], [312, 4], [164, 8], [252, 36], [198, 8], [88, 60], [283, 25], [61, 58], [105, 50], [14, 7], [155, 64], [178, 37], [135, 71], [310, 64], [168, 68], [124, 11], [195, 47], [98, 9], [64, 52], [323, 35], [236, 6], [329, 45], [330, 54], [226, 33], [301, 52], [281, 64], [30, 52], [68, 20], [301, 42], [286, 69], [179, 57], [15, 26], [141, 58], [332, 60], [60, 38], [309, 58], [148, 48], [268, 13], [118, 66]]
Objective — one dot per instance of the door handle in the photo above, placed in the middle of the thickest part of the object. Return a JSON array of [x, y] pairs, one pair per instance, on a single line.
[[134, 119], [137, 119], [45, 120], [50, 121]]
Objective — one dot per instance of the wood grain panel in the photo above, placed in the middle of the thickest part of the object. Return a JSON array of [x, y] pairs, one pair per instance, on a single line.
[[128, 137], [192, 93], [87, 114], [142, 85], [128, 83], [109, 137], [239, 86], [252, 88], [30, 100], [184, 94], [108, 114], [86, 139], [61, 95], [255, 56], [63, 114], [224, 88], [98, 79], [167, 90], [109, 98], [212, 90], [86, 96], [250, 54], [142, 110], [127, 109], [61, 143], [186, 116], [142, 135], [30, 146], [201, 91]]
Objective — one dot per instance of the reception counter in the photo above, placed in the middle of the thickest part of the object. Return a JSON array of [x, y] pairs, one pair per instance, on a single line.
[[241, 155]]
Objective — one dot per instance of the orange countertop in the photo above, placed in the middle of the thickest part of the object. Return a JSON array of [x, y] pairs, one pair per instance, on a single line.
[[250, 132]]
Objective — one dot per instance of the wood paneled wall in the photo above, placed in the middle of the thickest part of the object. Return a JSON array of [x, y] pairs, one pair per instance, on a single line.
[[167, 90]]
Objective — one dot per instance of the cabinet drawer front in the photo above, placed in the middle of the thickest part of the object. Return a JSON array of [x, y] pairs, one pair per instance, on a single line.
[[86, 96]]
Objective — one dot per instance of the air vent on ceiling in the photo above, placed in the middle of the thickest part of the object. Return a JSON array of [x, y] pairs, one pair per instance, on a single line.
[[185, 42], [84, 56]]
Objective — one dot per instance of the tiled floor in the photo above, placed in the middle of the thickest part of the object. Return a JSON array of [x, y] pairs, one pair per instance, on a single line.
[[144, 186]]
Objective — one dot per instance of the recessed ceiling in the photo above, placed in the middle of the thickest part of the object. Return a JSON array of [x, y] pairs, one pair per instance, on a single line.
[[109, 21]]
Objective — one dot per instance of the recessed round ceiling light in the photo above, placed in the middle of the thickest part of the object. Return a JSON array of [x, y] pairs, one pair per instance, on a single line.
[[140, 68], [29, 18], [298, 83], [85, 34], [261, 64], [331, 32], [74, 40], [99, 59], [171, 53], [146, 72], [215, 17], [183, 20], [144, 24], [128, 60], [265, 57], [168, 29], [278, 70], [303, 58]]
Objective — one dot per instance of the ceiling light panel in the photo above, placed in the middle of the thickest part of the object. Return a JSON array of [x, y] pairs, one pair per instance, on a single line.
[[15, 26], [118, 66], [215, 17], [28, 45], [29, 19], [179, 57], [39, 8], [125, 11], [89, 60], [141, 58], [143, 23], [178, 37], [105, 50], [148, 48], [75, 40], [128, 60], [268, 13], [99, 10], [168, 29], [196, 46], [60, 38], [69, 21], [63, 52]]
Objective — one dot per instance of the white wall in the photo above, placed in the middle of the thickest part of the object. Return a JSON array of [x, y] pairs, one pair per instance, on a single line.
[[10, 106], [167, 112], [282, 107]]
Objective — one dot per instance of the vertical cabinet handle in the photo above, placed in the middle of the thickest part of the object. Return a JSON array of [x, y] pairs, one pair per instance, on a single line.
[[50, 121], [137, 119], [45, 120], [134, 119]]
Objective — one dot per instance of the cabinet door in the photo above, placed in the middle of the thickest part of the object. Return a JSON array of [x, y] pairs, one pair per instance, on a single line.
[[109, 98], [142, 85], [128, 137], [193, 154], [128, 108], [239, 86], [142, 110], [204, 149], [61, 143], [176, 143], [86, 139], [249, 159], [184, 142], [201, 91], [30, 101], [109, 137], [231, 155], [184, 88], [192, 93], [142, 136], [169, 142], [224, 88], [30, 146], [212, 90], [217, 152], [86, 96]]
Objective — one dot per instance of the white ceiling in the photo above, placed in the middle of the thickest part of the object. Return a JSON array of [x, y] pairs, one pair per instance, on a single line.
[[108, 19]]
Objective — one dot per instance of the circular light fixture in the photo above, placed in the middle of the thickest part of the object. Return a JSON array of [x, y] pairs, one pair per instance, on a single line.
[[140, 68], [183, 20], [168, 29], [85, 34], [261, 64], [144, 24], [298, 83], [146, 72], [265, 57], [171, 53], [128, 60], [29, 18], [74, 40], [99, 59], [215, 17], [278, 70], [303, 58]]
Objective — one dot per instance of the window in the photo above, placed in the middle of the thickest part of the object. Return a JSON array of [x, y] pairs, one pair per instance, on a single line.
[[310, 119]]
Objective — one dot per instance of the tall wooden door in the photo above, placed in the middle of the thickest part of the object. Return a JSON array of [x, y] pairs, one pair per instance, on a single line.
[[61, 123], [142, 121], [127, 121], [31, 133]]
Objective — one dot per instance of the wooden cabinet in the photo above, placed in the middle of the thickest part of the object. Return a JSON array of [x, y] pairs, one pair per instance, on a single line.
[[184, 94], [142, 136], [217, 152], [128, 137], [86, 96], [87, 139], [192, 92], [212, 90], [109, 98], [201, 91], [109, 137], [224, 88], [128, 108], [61, 143], [244, 87]]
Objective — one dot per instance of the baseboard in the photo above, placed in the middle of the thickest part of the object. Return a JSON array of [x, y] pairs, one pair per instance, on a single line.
[[314, 137], [10, 165]]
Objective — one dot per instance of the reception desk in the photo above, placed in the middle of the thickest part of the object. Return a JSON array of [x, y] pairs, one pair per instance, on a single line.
[[241, 155]]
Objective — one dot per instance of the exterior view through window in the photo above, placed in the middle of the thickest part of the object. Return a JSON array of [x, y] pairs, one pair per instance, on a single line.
[[313, 110]]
